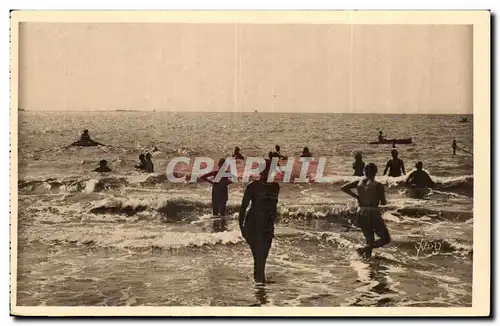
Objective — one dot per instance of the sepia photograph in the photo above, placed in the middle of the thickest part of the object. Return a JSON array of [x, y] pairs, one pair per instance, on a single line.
[[250, 163]]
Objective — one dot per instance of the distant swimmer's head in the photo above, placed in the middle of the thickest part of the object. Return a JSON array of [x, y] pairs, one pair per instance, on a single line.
[[277, 147], [142, 157], [237, 150], [380, 132], [394, 153], [305, 150], [358, 157], [86, 131], [419, 165], [103, 163], [370, 170]]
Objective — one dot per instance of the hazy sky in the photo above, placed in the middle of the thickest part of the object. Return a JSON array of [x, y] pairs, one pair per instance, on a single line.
[[228, 67]]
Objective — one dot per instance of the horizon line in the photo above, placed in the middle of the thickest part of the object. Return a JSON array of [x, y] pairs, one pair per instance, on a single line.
[[236, 112]]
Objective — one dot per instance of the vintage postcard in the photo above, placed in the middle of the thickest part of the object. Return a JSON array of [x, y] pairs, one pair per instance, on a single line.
[[221, 163]]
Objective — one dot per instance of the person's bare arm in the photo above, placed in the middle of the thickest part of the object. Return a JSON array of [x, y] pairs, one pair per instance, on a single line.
[[403, 167], [410, 178], [387, 167], [347, 188], [208, 175]]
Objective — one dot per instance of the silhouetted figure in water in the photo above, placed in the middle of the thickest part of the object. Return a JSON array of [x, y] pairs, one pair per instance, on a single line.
[[381, 137], [150, 167], [237, 154], [155, 149], [85, 140], [419, 178], [358, 166], [103, 167], [142, 163], [454, 147], [370, 194], [220, 192], [306, 152], [395, 166], [257, 225], [277, 153]]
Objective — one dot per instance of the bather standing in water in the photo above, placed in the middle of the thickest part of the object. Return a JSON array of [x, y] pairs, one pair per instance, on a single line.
[[454, 147], [419, 180], [103, 167], [237, 154], [142, 163], [395, 166], [306, 152], [257, 225], [370, 194], [150, 167], [220, 192], [277, 153], [358, 166]]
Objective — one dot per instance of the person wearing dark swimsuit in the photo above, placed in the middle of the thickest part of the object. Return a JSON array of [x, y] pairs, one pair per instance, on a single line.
[[277, 153], [358, 166], [454, 147], [370, 194], [257, 225], [306, 152], [395, 166], [419, 180], [237, 154], [150, 167], [220, 192], [142, 163]]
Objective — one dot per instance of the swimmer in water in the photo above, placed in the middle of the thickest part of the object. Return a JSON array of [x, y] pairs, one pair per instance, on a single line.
[[220, 192], [419, 178], [306, 153], [277, 153], [142, 163], [381, 137], [150, 167], [358, 166], [370, 194], [103, 167], [395, 166], [454, 147], [85, 140], [237, 154], [257, 225]]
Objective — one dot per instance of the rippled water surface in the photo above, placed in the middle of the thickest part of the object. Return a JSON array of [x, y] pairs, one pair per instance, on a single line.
[[128, 238]]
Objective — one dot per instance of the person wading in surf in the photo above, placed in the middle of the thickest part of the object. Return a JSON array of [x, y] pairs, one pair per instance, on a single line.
[[103, 167], [370, 194], [237, 154], [150, 167], [419, 180], [395, 166], [142, 163], [220, 192], [257, 225], [358, 166]]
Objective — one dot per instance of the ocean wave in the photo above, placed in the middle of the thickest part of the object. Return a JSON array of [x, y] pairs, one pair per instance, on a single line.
[[459, 184]]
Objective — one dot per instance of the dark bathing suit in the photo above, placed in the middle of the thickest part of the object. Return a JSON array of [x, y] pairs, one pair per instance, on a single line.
[[395, 166], [359, 168], [220, 195], [258, 223], [370, 217]]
